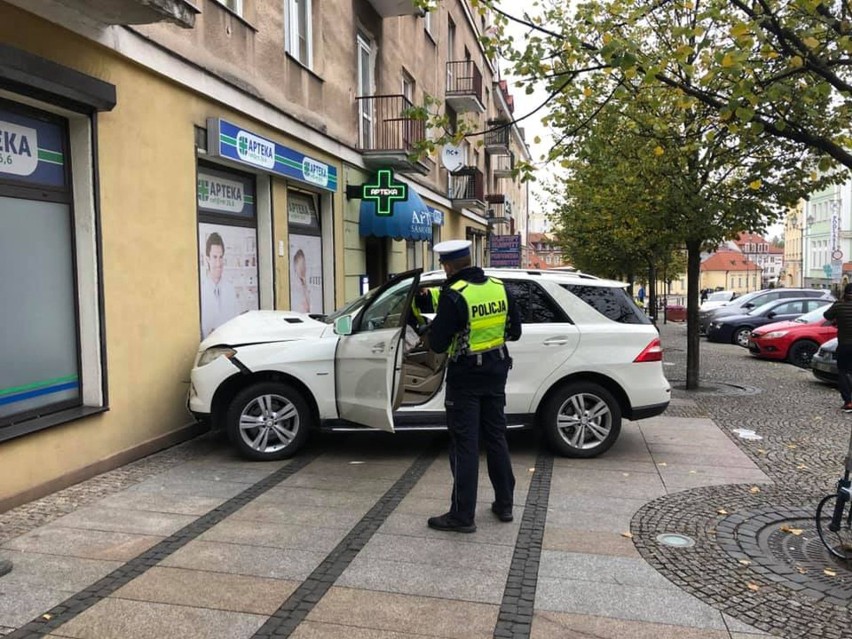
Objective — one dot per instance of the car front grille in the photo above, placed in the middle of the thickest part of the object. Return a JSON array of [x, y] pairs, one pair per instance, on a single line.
[[826, 355]]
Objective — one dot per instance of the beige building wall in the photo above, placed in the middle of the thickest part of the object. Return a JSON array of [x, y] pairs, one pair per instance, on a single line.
[[147, 171], [793, 228]]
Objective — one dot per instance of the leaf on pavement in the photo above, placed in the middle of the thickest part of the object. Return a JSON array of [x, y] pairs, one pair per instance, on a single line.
[[662, 464], [626, 474], [722, 511], [693, 472], [753, 586], [754, 490], [801, 467], [745, 562], [761, 451], [792, 446], [801, 570], [627, 534], [830, 572], [792, 531], [47, 616]]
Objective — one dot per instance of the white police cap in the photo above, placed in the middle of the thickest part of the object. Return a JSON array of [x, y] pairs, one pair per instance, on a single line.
[[452, 249]]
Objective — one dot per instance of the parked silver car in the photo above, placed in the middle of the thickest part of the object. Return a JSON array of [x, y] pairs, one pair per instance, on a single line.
[[756, 299]]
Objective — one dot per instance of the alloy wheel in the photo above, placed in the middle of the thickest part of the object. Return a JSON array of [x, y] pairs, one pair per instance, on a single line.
[[269, 423], [584, 421]]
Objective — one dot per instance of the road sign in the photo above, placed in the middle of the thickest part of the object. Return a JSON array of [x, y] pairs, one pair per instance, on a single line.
[[836, 270], [837, 255]]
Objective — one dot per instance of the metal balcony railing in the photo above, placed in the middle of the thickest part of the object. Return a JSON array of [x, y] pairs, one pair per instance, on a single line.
[[464, 79], [385, 124], [502, 166], [468, 185], [497, 140]]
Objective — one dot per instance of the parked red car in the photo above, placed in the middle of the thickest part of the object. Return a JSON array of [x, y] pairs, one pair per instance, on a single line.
[[795, 341]]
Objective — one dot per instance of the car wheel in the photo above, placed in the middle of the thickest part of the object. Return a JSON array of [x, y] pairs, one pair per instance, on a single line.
[[268, 421], [741, 336], [582, 419], [802, 352]]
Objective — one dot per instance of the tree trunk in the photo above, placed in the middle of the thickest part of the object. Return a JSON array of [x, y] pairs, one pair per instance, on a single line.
[[693, 339]]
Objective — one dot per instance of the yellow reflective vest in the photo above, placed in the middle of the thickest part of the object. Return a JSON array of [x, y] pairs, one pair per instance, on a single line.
[[487, 315]]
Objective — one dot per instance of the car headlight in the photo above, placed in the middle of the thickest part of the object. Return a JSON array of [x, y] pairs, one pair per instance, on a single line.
[[214, 353], [774, 335]]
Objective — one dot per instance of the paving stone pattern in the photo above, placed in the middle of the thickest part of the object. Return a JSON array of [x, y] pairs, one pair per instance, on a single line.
[[297, 607], [736, 564], [39, 512], [103, 588], [516, 610]]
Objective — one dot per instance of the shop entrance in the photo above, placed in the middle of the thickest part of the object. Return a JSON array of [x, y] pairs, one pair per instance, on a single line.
[[377, 260]]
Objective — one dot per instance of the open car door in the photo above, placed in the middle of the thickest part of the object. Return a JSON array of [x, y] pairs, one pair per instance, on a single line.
[[368, 362]]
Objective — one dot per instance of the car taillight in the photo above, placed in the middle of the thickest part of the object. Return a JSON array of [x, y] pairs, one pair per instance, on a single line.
[[653, 353]]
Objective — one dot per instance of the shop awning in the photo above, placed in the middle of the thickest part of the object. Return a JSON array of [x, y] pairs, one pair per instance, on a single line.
[[411, 219]]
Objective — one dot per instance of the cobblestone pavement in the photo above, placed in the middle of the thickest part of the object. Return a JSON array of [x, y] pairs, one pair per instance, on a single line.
[[744, 562]]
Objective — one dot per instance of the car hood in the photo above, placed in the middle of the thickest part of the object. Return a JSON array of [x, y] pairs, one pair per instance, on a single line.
[[256, 327], [735, 317], [786, 325]]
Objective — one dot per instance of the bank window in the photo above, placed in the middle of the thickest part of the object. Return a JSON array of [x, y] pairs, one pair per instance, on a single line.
[[234, 5], [298, 32], [227, 245], [40, 340], [305, 234]]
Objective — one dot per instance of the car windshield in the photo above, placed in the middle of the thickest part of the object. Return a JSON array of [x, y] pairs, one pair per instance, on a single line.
[[813, 316], [719, 296], [351, 308]]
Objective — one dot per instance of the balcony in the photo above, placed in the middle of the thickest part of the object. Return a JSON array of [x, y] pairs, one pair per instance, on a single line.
[[499, 209], [497, 139], [388, 135], [110, 12], [503, 166], [467, 188], [395, 8], [464, 87]]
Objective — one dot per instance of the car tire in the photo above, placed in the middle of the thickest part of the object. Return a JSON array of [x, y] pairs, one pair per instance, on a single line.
[[283, 417], [740, 336], [802, 352], [567, 432]]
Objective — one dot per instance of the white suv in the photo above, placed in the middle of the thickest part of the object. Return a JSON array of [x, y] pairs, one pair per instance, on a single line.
[[588, 357]]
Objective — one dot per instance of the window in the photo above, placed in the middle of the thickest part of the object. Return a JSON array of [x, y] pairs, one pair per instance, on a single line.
[[613, 303], [388, 310], [234, 5], [40, 340], [427, 22], [227, 250], [535, 305], [298, 30], [365, 88], [451, 50], [305, 236], [408, 86]]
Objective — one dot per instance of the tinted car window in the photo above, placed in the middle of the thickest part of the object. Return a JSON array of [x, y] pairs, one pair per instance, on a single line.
[[789, 308], [813, 305], [536, 306], [610, 302]]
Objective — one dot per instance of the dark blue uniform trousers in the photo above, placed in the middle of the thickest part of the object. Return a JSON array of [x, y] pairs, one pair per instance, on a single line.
[[475, 413]]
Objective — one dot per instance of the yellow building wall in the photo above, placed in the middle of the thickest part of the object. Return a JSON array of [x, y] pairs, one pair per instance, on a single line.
[[147, 171]]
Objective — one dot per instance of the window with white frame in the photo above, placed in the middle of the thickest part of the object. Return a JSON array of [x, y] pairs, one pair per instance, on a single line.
[[427, 22], [408, 86], [234, 5], [365, 89], [297, 30]]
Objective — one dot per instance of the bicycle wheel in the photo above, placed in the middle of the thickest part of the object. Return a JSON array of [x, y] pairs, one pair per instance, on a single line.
[[838, 543]]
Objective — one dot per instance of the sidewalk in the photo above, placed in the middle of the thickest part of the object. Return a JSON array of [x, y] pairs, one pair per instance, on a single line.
[[229, 574]]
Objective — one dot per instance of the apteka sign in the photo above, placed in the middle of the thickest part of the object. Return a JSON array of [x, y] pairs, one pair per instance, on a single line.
[[18, 149]]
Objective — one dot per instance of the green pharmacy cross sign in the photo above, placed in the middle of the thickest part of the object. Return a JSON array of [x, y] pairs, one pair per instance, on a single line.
[[384, 192]]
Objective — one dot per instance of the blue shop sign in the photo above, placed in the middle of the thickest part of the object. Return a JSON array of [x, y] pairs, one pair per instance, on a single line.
[[31, 150], [227, 140]]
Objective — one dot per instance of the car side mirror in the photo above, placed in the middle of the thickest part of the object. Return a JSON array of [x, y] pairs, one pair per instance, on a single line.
[[343, 325], [748, 305], [771, 314]]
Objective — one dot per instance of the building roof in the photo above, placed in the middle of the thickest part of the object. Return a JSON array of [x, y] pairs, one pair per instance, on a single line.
[[728, 261], [750, 238], [775, 249]]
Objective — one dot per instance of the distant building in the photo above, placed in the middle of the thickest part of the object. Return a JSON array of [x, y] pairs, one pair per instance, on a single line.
[[730, 271], [546, 249], [761, 252], [791, 272]]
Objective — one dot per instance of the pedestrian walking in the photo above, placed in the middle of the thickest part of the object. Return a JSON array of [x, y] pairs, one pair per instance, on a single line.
[[841, 314], [475, 317], [641, 295]]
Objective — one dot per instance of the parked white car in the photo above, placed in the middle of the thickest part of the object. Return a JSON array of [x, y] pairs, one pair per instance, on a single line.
[[717, 299], [588, 357]]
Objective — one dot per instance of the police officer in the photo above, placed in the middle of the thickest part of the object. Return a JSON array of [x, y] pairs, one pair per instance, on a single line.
[[475, 317]]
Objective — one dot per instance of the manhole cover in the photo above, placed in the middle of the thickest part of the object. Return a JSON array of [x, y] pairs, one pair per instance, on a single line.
[[676, 540]]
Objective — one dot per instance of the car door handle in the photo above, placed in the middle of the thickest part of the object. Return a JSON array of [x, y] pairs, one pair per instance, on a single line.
[[556, 341], [379, 348]]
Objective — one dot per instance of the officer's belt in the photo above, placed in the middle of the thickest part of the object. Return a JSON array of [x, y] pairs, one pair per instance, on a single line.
[[479, 355]]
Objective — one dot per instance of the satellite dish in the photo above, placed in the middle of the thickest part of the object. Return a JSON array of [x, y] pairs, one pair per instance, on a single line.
[[452, 157]]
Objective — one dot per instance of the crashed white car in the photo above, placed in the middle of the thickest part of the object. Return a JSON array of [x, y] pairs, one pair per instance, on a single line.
[[588, 357]]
